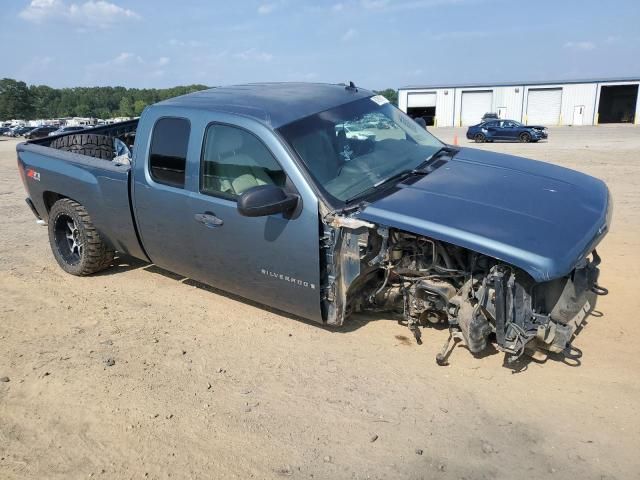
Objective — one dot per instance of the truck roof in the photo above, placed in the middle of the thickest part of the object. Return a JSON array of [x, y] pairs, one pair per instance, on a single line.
[[275, 104]]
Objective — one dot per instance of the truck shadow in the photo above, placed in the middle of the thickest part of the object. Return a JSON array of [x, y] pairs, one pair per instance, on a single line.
[[208, 288], [120, 264], [571, 357]]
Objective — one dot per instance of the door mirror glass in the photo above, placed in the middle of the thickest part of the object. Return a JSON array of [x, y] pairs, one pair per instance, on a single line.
[[266, 200]]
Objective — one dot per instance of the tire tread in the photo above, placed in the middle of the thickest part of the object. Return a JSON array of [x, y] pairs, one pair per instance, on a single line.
[[96, 254], [90, 144]]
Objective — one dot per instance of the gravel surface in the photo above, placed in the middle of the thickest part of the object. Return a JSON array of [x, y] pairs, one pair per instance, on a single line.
[[139, 373]]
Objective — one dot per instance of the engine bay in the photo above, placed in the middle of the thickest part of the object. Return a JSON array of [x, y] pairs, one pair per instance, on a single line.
[[428, 283]]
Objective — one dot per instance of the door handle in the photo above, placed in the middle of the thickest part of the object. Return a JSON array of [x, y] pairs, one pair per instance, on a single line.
[[208, 219]]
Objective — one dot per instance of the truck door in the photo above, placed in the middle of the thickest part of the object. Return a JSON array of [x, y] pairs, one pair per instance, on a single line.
[[160, 198], [272, 259]]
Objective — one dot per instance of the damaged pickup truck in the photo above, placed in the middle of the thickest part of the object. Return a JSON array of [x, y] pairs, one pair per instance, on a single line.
[[258, 190]]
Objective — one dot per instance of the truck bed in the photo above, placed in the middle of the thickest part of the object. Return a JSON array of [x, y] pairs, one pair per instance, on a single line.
[[102, 186], [124, 131]]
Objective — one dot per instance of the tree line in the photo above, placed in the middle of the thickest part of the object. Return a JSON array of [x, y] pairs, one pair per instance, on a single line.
[[28, 102]]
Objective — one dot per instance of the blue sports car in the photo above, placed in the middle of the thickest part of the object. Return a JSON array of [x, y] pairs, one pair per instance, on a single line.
[[508, 130]]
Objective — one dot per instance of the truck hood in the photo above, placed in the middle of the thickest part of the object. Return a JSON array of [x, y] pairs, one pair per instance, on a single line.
[[536, 216]]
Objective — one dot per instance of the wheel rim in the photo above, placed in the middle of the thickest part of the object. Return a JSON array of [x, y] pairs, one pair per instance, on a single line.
[[479, 138], [525, 138], [68, 239]]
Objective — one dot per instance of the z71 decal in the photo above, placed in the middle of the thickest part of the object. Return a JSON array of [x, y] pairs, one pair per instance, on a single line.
[[31, 173]]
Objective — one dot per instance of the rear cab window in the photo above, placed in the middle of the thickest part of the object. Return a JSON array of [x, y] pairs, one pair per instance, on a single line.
[[168, 152]]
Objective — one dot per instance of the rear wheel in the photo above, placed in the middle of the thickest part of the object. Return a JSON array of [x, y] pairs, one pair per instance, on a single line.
[[525, 137], [75, 242], [480, 138], [90, 144]]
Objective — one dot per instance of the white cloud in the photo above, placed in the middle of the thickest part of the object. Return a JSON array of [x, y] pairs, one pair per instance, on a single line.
[[174, 42], [254, 54], [375, 4], [266, 8], [387, 5], [349, 35], [460, 35], [91, 13], [123, 63], [584, 45]]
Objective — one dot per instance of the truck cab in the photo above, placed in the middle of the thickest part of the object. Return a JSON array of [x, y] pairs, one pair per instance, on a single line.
[[187, 180]]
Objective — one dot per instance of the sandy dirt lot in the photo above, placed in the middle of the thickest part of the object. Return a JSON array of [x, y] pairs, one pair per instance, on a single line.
[[205, 385]]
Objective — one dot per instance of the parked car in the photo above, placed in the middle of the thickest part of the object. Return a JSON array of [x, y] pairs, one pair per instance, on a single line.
[[508, 130], [40, 132], [490, 116], [19, 131], [4, 130], [273, 204], [67, 129]]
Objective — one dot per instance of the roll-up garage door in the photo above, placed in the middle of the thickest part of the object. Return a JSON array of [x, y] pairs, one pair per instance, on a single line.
[[421, 100], [543, 106], [474, 105]]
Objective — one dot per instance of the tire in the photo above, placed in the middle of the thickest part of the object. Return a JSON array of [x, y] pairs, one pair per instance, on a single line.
[[75, 242], [480, 138], [525, 137], [90, 144]]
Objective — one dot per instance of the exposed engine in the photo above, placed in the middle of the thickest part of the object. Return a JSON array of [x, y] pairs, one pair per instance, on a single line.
[[481, 300]]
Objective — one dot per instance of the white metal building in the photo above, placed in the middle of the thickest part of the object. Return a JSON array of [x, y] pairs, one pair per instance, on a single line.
[[573, 102]]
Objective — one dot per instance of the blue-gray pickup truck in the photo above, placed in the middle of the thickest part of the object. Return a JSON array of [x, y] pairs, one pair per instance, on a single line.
[[324, 200]]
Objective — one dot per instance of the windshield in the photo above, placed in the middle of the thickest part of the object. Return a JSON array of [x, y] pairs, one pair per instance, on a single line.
[[351, 148]]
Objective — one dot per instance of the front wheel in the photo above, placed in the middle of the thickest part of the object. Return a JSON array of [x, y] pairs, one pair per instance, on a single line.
[[480, 138], [525, 137], [75, 242]]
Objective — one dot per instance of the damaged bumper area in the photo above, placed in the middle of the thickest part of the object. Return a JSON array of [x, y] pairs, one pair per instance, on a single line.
[[482, 301]]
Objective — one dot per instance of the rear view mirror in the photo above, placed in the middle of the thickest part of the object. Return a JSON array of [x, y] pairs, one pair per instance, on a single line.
[[420, 121], [266, 200]]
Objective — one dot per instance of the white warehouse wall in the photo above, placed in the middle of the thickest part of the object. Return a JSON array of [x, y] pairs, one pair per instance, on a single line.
[[444, 103], [637, 120], [514, 100], [509, 98], [573, 94]]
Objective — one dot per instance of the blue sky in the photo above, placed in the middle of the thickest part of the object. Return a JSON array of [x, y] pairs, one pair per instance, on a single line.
[[375, 43]]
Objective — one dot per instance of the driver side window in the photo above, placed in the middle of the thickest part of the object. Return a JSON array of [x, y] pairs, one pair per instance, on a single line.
[[234, 160]]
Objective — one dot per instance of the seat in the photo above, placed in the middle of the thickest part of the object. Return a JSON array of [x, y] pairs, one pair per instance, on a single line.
[[317, 150], [230, 165]]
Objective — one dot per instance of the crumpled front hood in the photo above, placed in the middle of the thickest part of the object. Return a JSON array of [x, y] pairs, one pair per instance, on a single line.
[[534, 215]]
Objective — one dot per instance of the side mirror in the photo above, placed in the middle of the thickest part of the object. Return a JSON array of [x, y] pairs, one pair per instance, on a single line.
[[266, 200]]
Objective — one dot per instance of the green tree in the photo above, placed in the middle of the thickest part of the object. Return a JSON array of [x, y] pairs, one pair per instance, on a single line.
[[19, 101], [126, 107], [138, 107], [15, 100], [390, 94]]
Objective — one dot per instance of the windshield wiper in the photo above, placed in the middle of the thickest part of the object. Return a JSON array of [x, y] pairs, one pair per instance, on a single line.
[[392, 179], [446, 149]]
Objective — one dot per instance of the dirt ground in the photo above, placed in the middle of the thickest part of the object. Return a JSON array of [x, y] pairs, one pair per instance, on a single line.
[[205, 385]]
